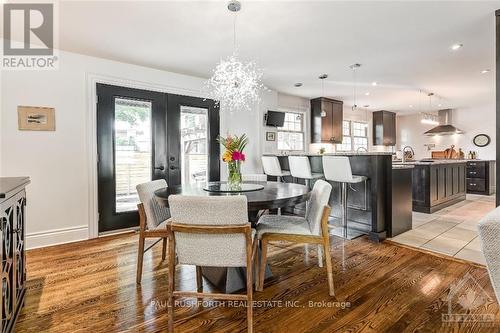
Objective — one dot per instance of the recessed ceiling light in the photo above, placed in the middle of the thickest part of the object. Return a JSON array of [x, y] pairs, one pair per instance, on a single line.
[[484, 71], [440, 104], [366, 105], [298, 84], [411, 105], [367, 93], [374, 83], [457, 46]]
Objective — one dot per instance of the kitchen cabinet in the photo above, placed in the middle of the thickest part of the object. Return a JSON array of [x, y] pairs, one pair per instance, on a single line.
[[480, 177], [384, 128], [326, 120], [438, 185]]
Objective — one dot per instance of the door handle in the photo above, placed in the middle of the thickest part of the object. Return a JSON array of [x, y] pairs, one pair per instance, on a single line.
[[161, 167], [173, 167]]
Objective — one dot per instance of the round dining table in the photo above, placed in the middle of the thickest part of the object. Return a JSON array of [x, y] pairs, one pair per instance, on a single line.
[[270, 195]]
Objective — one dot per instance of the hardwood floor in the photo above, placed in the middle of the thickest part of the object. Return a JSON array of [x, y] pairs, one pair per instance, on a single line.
[[90, 287]]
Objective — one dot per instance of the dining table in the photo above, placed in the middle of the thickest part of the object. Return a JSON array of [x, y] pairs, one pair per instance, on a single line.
[[261, 197]]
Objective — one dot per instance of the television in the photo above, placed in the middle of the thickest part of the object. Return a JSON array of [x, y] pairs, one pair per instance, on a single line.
[[275, 118]]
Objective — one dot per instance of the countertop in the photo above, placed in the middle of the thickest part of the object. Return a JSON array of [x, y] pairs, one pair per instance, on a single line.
[[8, 184], [434, 162], [347, 153]]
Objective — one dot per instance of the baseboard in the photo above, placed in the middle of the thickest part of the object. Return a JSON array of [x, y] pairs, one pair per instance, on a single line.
[[57, 236]]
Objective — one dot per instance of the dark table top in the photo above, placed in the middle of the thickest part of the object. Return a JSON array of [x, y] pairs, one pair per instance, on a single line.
[[8, 184], [274, 195]]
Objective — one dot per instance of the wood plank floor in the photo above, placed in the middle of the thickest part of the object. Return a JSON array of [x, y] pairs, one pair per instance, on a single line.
[[90, 287]]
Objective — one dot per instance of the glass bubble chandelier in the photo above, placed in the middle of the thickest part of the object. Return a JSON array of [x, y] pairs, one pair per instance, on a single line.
[[235, 84]]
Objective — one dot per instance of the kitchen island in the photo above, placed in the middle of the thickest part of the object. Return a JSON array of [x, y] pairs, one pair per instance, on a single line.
[[369, 211], [438, 184]]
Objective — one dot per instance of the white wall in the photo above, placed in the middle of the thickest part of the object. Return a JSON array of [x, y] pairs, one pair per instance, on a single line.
[[473, 121], [60, 197]]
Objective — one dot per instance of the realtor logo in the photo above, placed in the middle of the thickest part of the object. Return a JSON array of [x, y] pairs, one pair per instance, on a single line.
[[471, 297], [28, 30]]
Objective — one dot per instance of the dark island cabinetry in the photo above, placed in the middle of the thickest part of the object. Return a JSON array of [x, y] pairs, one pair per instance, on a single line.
[[480, 177], [438, 185], [326, 120], [12, 248]]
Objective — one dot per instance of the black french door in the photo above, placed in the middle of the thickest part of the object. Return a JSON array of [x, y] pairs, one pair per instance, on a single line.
[[145, 135]]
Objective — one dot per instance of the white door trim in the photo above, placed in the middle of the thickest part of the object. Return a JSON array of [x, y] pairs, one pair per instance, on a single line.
[[91, 131]]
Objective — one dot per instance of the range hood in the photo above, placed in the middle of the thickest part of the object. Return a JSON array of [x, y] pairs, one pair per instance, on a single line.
[[445, 127]]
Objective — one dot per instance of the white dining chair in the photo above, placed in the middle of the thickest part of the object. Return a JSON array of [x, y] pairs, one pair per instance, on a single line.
[[153, 219], [300, 167], [210, 231], [271, 166]]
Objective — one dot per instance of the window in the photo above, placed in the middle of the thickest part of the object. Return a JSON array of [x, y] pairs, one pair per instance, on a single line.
[[355, 136], [291, 135]]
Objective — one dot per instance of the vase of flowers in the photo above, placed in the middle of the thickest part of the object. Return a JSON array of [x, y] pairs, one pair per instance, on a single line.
[[233, 155]]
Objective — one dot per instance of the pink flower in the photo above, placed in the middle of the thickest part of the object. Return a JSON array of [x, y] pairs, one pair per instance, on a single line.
[[237, 156]]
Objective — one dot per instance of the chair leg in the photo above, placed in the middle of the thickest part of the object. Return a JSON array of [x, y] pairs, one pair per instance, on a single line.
[[329, 267], [171, 286], [262, 263], [199, 279], [250, 292], [164, 249], [320, 255], [140, 259]]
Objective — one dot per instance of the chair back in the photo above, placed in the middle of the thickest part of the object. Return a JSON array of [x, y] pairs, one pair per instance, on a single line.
[[250, 177], [206, 249], [337, 169], [320, 197], [271, 166], [155, 213], [300, 167]]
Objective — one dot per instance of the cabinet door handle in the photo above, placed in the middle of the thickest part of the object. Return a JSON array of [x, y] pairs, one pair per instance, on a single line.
[[472, 172], [161, 167], [472, 163], [473, 184]]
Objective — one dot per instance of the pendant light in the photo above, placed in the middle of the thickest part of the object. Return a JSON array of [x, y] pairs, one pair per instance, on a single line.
[[354, 67], [234, 83], [322, 77]]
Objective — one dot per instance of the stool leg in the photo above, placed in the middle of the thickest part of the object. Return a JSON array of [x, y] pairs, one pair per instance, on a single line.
[[344, 208]]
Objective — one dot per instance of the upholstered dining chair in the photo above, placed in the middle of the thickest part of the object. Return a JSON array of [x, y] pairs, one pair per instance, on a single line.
[[210, 231], [152, 220], [312, 229]]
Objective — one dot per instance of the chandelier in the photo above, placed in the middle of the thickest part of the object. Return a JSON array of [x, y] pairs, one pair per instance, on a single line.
[[235, 84]]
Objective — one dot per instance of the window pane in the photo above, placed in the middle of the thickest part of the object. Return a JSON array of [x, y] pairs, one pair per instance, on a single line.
[[194, 151], [360, 129], [346, 129], [345, 145], [290, 141], [360, 142], [132, 150]]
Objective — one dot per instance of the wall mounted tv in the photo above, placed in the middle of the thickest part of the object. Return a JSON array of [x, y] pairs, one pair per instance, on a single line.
[[275, 118]]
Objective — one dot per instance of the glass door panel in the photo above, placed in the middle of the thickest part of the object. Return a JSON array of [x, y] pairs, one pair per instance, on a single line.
[[194, 145], [133, 146]]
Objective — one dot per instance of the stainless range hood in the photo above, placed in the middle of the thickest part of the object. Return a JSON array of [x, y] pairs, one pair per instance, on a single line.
[[445, 127]]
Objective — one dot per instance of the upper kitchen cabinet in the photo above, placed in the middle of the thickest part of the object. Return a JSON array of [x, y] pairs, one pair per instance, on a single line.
[[326, 120], [384, 128]]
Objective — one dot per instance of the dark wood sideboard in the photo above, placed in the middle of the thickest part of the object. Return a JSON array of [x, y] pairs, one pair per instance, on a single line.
[[12, 248]]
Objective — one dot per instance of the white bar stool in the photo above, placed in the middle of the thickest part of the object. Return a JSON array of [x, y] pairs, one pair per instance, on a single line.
[[338, 169], [300, 167], [272, 167]]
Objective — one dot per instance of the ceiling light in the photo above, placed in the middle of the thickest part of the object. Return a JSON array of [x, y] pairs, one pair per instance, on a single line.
[[235, 84], [366, 105], [455, 47], [440, 104], [367, 93], [411, 105], [374, 83], [354, 67], [484, 71], [298, 84]]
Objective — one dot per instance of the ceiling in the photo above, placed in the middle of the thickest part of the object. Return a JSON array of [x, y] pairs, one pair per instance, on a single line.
[[402, 45]]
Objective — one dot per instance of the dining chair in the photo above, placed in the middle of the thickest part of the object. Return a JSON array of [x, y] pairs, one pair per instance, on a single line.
[[210, 231], [300, 167], [271, 166], [312, 229], [153, 219]]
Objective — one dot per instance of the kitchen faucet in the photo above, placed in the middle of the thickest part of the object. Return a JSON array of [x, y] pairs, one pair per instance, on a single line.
[[410, 152], [361, 148]]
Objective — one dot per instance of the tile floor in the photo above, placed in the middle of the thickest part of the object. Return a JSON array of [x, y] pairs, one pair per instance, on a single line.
[[451, 231]]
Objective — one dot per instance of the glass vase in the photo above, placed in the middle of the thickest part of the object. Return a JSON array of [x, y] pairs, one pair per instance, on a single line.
[[234, 174]]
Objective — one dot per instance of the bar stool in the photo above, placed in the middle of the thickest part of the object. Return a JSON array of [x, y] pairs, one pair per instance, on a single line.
[[272, 167], [300, 167], [338, 169]]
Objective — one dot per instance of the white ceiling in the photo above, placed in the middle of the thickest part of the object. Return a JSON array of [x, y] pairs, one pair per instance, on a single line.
[[405, 46]]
